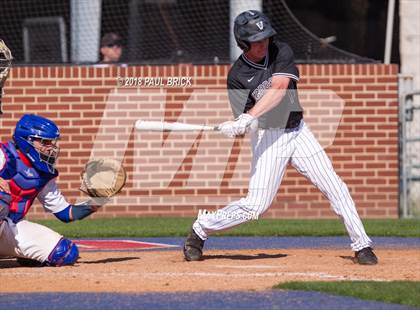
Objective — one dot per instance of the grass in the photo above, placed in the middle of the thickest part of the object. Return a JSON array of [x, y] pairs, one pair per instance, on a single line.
[[396, 292], [175, 227]]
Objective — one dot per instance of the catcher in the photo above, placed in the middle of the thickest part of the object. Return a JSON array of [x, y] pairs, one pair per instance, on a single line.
[[27, 171]]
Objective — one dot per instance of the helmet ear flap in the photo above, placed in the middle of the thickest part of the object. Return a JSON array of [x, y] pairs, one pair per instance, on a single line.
[[243, 45]]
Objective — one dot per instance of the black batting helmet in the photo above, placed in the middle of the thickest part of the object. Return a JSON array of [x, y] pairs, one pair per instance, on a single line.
[[251, 26]]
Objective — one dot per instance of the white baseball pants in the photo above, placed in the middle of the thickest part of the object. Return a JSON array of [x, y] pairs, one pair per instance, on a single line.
[[28, 240], [272, 150]]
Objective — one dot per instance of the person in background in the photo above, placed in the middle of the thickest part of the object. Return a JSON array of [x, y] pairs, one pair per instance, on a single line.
[[111, 48]]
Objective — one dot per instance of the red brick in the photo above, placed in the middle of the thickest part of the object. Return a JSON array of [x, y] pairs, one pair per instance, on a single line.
[[91, 82], [387, 80], [319, 80], [376, 87], [353, 88], [45, 83], [387, 95], [26, 99], [58, 91], [364, 95], [364, 80], [69, 83], [20, 83]]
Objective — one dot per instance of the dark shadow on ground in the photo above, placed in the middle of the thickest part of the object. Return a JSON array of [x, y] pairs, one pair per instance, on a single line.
[[244, 257], [29, 263], [108, 260], [9, 263], [352, 258]]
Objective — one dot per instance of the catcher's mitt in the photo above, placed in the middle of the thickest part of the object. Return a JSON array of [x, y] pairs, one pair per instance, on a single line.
[[103, 178], [5, 63]]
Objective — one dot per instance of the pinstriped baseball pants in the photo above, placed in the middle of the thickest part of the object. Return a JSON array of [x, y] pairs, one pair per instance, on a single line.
[[272, 150]]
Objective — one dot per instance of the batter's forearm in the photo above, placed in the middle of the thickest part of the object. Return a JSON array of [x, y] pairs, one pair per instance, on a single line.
[[272, 97], [270, 100]]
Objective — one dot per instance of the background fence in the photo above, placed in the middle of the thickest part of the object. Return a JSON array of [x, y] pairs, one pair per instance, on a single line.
[[152, 32]]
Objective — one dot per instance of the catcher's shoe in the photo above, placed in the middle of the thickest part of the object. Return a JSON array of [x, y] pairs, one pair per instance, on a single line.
[[193, 247], [366, 257]]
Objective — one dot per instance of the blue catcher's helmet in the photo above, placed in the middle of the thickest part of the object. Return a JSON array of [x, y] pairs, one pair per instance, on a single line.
[[31, 128]]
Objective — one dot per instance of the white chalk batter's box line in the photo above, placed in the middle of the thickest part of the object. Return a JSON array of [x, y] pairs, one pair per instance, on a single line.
[[226, 275]]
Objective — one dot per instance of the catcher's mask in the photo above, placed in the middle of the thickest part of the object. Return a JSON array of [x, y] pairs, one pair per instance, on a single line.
[[36, 137], [5, 64], [251, 26]]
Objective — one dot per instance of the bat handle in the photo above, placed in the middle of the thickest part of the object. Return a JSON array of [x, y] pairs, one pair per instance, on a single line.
[[210, 128]]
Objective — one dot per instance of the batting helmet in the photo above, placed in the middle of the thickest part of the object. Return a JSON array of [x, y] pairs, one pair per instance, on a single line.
[[31, 127], [251, 26]]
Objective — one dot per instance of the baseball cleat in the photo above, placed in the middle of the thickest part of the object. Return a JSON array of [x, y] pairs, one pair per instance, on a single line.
[[193, 247], [366, 257]]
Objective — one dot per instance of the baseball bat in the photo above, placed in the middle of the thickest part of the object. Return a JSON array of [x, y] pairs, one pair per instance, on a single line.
[[142, 125]]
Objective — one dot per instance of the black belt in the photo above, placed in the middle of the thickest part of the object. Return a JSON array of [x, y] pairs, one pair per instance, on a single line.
[[293, 123]]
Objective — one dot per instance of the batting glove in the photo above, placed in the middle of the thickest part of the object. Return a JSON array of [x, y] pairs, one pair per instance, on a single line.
[[243, 124], [226, 128]]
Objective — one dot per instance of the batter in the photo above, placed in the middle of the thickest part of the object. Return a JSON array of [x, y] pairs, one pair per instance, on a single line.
[[262, 87]]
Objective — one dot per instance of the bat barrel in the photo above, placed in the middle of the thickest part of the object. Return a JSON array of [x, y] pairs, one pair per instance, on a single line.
[[170, 126]]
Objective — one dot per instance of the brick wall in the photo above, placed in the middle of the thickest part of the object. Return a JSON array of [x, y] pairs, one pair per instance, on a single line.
[[352, 109]]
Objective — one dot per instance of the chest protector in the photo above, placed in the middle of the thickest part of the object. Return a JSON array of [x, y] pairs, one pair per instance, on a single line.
[[25, 182]]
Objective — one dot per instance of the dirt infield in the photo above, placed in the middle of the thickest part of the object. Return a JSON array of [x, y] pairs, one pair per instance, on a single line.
[[222, 270]]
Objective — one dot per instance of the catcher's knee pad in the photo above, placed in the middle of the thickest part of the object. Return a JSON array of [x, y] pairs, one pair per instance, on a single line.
[[64, 253]]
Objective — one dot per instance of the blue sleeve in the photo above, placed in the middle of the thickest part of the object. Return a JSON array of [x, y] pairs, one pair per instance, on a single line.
[[80, 211], [64, 215]]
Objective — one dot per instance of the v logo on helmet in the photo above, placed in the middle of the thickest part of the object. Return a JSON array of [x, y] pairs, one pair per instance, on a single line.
[[260, 25]]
